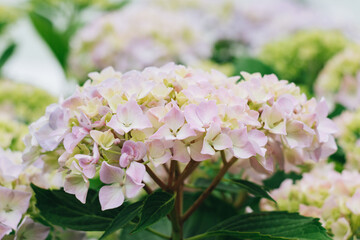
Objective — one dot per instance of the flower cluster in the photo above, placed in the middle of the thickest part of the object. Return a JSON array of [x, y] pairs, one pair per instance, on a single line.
[[161, 36], [118, 126], [348, 137], [255, 23], [25, 102], [15, 192], [301, 57], [326, 194], [11, 133], [339, 81]]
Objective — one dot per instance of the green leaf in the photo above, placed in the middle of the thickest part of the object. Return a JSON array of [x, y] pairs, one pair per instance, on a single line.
[[156, 206], [223, 187], [250, 187], [162, 226], [212, 211], [57, 42], [63, 209], [267, 225], [125, 215], [8, 52], [251, 65]]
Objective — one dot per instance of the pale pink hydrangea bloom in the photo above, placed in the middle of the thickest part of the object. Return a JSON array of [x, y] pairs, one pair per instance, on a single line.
[[326, 194], [160, 36], [140, 120]]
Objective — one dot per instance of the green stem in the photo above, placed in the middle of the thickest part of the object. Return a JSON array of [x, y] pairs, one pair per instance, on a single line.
[[159, 234]]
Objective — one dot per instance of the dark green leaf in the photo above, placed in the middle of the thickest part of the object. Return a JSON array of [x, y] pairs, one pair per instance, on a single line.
[[57, 42], [252, 188], [162, 226], [156, 206], [63, 209], [223, 187], [251, 65], [267, 225], [125, 215], [8, 52], [212, 211]]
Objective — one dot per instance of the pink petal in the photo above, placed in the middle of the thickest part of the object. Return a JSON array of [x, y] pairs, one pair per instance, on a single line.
[[244, 152], [185, 132], [195, 151], [111, 197], [132, 117], [180, 152], [163, 133], [4, 230], [174, 119], [136, 172], [207, 113], [75, 184], [192, 118], [110, 174], [116, 125], [72, 139], [222, 141], [353, 203], [131, 188], [298, 134], [31, 230]]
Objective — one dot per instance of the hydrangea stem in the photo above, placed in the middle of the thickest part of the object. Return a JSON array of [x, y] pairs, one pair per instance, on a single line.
[[190, 167], [155, 178], [208, 191]]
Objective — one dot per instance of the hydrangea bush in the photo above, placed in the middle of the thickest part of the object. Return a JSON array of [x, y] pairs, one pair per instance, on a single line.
[[339, 81], [301, 56], [152, 129], [161, 36], [23, 102], [348, 137], [326, 194]]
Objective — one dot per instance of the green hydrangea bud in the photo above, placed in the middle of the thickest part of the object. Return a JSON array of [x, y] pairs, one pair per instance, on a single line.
[[300, 57]]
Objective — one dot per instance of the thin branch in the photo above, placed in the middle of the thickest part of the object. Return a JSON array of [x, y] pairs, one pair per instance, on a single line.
[[171, 173], [165, 168], [147, 189], [155, 178], [223, 157], [190, 167], [208, 191], [159, 234]]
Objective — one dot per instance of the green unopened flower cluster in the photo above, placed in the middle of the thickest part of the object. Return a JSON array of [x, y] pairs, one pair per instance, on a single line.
[[326, 194], [300, 57], [349, 137], [339, 81], [11, 133], [25, 102]]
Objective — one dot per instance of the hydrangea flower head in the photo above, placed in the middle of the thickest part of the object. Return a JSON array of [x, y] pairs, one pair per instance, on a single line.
[[160, 36], [339, 81], [348, 137], [326, 194], [119, 126]]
